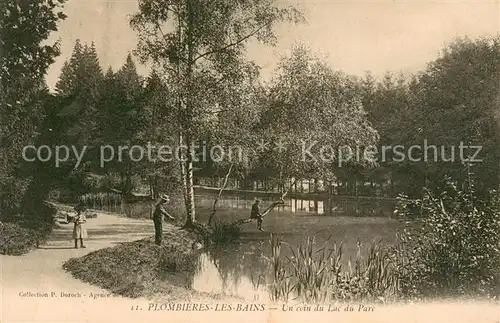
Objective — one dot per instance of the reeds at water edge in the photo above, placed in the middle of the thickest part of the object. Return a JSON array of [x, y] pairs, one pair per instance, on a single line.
[[312, 274]]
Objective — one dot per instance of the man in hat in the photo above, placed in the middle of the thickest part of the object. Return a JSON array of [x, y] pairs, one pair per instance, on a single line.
[[255, 214], [159, 216]]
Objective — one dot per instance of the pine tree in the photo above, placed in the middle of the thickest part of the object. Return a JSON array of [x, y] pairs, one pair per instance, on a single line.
[[81, 75], [109, 73], [128, 76], [158, 124], [127, 95], [91, 72], [80, 82], [157, 110], [68, 78], [119, 117]]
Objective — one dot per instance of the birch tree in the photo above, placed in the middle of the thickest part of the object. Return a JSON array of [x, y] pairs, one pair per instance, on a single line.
[[199, 46]]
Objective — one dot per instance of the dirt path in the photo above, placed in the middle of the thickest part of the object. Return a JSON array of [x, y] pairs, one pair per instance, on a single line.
[[41, 272]]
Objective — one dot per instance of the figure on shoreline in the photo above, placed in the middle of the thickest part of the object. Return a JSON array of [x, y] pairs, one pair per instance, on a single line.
[[159, 216], [79, 230], [255, 214]]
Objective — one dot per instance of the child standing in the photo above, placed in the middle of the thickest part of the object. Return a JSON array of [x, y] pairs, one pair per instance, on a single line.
[[79, 230]]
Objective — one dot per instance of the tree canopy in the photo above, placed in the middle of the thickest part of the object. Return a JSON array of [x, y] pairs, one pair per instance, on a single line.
[[25, 57]]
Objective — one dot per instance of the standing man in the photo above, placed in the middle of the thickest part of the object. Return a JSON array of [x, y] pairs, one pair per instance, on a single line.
[[255, 214], [158, 216]]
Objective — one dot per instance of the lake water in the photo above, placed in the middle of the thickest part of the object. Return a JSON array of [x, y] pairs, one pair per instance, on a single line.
[[241, 201], [228, 201], [243, 269], [245, 276], [316, 204]]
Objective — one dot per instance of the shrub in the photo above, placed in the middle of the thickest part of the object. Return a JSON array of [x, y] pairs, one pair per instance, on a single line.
[[21, 234], [54, 195], [139, 268], [12, 191], [224, 233], [81, 182], [111, 181], [176, 207], [16, 240], [175, 261], [453, 249]]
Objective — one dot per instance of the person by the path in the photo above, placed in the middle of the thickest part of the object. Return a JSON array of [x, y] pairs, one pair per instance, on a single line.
[[255, 214], [159, 216], [79, 230]]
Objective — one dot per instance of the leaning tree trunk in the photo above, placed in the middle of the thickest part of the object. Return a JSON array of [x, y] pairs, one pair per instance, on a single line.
[[266, 211], [224, 184]]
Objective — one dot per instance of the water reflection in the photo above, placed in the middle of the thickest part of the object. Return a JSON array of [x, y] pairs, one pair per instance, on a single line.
[[243, 269], [215, 277], [313, 205], [144, 209], [237, 269], [245, 203]]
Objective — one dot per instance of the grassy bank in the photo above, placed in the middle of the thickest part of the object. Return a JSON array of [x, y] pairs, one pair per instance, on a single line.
[[21, 234], [16, 239], [141, 268]]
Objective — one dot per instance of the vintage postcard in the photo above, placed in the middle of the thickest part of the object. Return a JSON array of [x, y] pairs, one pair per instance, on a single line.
[[250, 161]]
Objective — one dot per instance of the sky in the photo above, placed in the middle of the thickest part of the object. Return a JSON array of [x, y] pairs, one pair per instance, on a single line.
[[353, 36]]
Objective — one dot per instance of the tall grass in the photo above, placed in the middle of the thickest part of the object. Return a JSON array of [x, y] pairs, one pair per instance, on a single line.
[[317, 275], [99, 200], [225, 233], [282, 285]]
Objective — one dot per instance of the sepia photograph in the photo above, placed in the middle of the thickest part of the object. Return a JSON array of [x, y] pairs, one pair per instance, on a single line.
[[257, 161]]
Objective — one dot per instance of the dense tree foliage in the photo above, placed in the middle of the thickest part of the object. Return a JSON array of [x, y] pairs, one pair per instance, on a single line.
[[305, 103], [311, 115], [203, 92], [25, 57], [452, 103], [200, 48]]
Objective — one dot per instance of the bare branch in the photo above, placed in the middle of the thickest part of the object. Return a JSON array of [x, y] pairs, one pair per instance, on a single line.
[[161, 32], [441, 204], [239, 41], [169, 69], [166, 41], [224, 184], [269, 208]]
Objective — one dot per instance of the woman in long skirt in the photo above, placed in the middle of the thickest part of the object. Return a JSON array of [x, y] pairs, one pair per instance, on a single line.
[[79, 230]]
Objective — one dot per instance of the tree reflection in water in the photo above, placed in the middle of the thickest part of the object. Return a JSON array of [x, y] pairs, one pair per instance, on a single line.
[[237, 269]]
